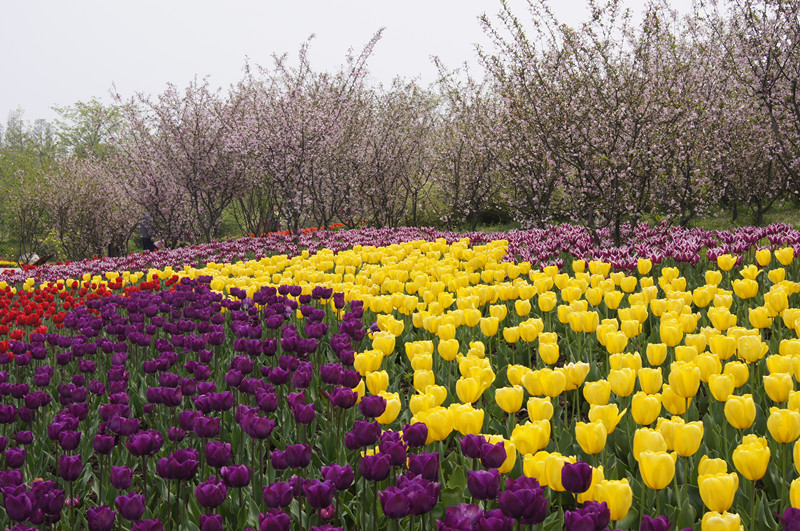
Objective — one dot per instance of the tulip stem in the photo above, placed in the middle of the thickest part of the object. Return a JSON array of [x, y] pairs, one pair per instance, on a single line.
[[375, 507]]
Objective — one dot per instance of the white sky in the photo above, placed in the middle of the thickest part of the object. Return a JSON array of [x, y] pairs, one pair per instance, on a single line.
[[58, 52]]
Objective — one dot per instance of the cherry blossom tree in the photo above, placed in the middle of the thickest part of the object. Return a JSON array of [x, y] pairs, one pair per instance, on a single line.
[[179, 160]]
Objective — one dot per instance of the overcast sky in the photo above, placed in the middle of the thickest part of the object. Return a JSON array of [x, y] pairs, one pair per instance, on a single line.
[[59, 52]]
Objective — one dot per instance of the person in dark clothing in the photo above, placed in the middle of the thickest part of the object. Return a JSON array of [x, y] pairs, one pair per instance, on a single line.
[[145, 232]]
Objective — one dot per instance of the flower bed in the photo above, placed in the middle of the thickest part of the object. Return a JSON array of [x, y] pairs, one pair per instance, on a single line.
[[368, 387]]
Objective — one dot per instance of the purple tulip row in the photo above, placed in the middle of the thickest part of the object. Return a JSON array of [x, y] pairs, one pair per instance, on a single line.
[[538, 246]]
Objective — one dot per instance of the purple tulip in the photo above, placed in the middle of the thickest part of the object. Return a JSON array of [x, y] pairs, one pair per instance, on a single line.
[[372, 406], [493, 455], [218, 453], [375, 467], [318, 493], [131, 506], [463, 516], [103, 444], [210, 522], [298, 455], [422, 494], [148, 525], [425, 465], [15, 457], [274, 520], [340, 475], [662, 523], [101, 518], [494, 520], [364, 433], [211, 493], [576, 477], [145, 443], [235, 476], [70, 467], [304, 413], [206, 427], [483, 484], [121, 477], [415, 435], [278, 494], [395, 503], [69, 440], [471, 446], [18, 503], [591, 515]]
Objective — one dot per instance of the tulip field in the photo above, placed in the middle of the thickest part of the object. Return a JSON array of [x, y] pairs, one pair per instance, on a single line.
[[408, 379]]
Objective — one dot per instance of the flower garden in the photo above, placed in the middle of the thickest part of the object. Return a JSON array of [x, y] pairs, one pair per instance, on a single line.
[[408, 379]]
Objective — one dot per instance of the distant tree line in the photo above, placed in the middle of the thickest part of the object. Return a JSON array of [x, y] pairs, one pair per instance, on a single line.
[[605, 124]]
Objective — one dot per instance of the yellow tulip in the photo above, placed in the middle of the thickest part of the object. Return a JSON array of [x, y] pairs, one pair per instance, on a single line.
[[783, 424], [778, 386], [712, 466], [785, 255], [759, 317], [721, 386], [392, 411], [531, 437], [672, 401], [616, 342], [739, 371], [472, 317], [794, 493], [546, 301], [656, 353], [657, 468], [745, 288], [549, 352], [539, 408], [685, 353], [597, 477], [751, 348], [726, 262], [438, 421], [528, 331], [644, 265], [468, 390], [647, 440], [466, 419], [751, 458], [688, 437], [709, 366], [713, 277], [718, 490], [651, 380], [763, 257], [671, 332], [421, 362], [618, 495], [509, 398], [591, 436], [511, 334], [448, 349], [577, 372], [533, 466], [740, 411], [532, 383], [609, 415], [489, 326], [597, 392], [377, 382], [622, 381], [777, 275], [777, 299], [522, 307], [723, 346], [645, 408], [721, 318], [383, 342], [612, 299], [666, 427], [684, 379], [713, 521], [553, 382]]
